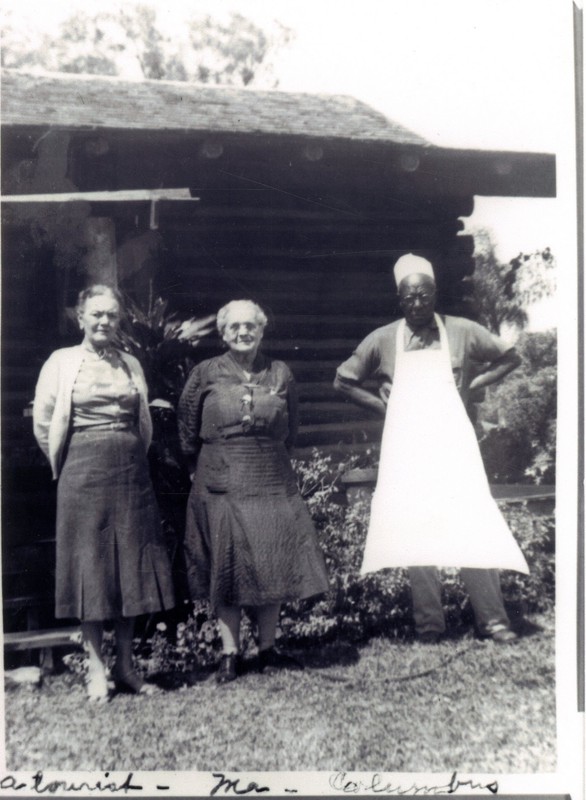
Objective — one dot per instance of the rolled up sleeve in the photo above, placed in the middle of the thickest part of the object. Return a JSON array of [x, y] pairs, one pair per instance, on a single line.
[[361, 365], [485, 346]]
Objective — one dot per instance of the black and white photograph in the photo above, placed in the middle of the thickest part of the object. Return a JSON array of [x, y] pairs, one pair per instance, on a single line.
[[313, 528]]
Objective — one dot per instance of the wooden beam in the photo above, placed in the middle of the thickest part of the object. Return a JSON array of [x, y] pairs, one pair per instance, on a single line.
[[118, 196], [33, 640], [99, 261]]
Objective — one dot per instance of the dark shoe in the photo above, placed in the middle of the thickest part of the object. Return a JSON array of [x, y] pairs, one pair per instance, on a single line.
[[271, 660], [504, 636], [429, 637], [131, 683], [227, 669]]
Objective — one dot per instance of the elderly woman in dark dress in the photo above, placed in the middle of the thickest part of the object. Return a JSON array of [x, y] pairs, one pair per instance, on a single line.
[[249, 539], [92, 421]]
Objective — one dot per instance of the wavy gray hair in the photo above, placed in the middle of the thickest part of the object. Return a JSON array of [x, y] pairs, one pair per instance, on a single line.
[[224, 312], [97, 290]]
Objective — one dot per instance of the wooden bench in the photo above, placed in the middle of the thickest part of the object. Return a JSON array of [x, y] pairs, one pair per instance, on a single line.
[[35, 640], [44, 641]]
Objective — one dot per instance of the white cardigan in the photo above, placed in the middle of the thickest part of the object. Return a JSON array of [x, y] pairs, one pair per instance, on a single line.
[[52, 405]]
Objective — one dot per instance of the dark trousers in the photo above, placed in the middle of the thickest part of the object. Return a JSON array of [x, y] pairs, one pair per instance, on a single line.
[[483, 586]]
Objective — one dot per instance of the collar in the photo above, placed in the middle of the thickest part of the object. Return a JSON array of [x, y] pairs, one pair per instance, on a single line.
[[259, 363], [431, 326], [108, 353]]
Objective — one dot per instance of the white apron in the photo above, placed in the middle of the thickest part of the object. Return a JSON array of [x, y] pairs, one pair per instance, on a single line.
[[432, 504]]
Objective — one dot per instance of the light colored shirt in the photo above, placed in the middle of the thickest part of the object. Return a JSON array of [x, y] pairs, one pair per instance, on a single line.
[[52, 407], [103, 392]]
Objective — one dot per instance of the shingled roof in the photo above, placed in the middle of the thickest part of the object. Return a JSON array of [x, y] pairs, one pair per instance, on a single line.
[[89, 101]]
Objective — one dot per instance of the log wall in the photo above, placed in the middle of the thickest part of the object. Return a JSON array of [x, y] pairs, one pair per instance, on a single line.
[[312, 242]]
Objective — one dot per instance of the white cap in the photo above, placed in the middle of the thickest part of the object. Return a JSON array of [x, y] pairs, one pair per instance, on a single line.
[[412, 265]]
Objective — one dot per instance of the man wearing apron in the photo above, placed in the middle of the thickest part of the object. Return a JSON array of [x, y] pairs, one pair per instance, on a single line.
[[432, 505]]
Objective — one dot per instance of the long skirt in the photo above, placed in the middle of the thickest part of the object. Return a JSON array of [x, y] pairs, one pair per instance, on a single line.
[[111, 557], [249, 538]]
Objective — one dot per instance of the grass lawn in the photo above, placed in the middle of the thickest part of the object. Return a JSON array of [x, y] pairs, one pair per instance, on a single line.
[[386, 706]]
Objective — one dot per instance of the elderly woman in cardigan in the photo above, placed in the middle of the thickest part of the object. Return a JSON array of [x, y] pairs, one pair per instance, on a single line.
[[249, 539], [92, 421]]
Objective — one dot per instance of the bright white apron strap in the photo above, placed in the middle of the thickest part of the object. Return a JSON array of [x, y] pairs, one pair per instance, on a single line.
[[444, 343]]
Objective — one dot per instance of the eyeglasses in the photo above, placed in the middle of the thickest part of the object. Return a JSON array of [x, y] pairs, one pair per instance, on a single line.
[[423, 297]]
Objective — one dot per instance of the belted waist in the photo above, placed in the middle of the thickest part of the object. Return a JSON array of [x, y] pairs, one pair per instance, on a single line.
[[120, 425], [238, 441]]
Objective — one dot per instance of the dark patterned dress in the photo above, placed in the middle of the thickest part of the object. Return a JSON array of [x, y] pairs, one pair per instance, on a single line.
[[249, 538]]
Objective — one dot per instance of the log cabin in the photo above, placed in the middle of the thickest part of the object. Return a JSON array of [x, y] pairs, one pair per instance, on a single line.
[[200, 195]]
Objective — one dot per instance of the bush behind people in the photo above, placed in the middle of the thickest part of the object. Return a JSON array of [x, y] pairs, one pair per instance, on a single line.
[[517, 420], [358, 607]]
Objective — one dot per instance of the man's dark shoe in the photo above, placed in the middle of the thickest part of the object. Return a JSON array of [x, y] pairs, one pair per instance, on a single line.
[[271, 660], [429, 637], [227, 669]]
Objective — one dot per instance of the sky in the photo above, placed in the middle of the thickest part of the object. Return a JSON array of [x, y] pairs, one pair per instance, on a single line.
[[480, 74]]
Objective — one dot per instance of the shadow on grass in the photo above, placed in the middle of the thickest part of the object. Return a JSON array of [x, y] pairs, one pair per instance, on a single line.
[[173, 680], [519, 622], [344, 654], [335, 654], [464, 627]]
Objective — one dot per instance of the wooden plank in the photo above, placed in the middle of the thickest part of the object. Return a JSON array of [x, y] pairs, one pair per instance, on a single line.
[[31, 558], [268, 209], [330, 326], [506, 493], [312, 270], [284, 243], [22, 602], [338, 451], [519, 493], [367, 202], [320, 304], [120, 195], [317, 413], [32, 640], [36, 587], [338, 227], [333, 433], [318, 390], [290, 348], [377, 294]]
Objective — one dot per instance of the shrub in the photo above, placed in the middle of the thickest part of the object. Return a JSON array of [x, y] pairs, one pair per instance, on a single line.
[[518, 417], [356, 606], [535, 534], [192, 643], [380, 603]]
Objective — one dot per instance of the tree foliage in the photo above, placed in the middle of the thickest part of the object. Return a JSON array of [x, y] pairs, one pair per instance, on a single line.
[[519, 416], [131, 43], [502, 294], [517, 420]]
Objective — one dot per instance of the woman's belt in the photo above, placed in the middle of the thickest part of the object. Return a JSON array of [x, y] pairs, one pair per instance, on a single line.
[[115, 425], [241, 439]]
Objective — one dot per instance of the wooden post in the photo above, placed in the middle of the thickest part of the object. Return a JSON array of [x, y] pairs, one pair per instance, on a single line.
[[100, 263], [359, 484]]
